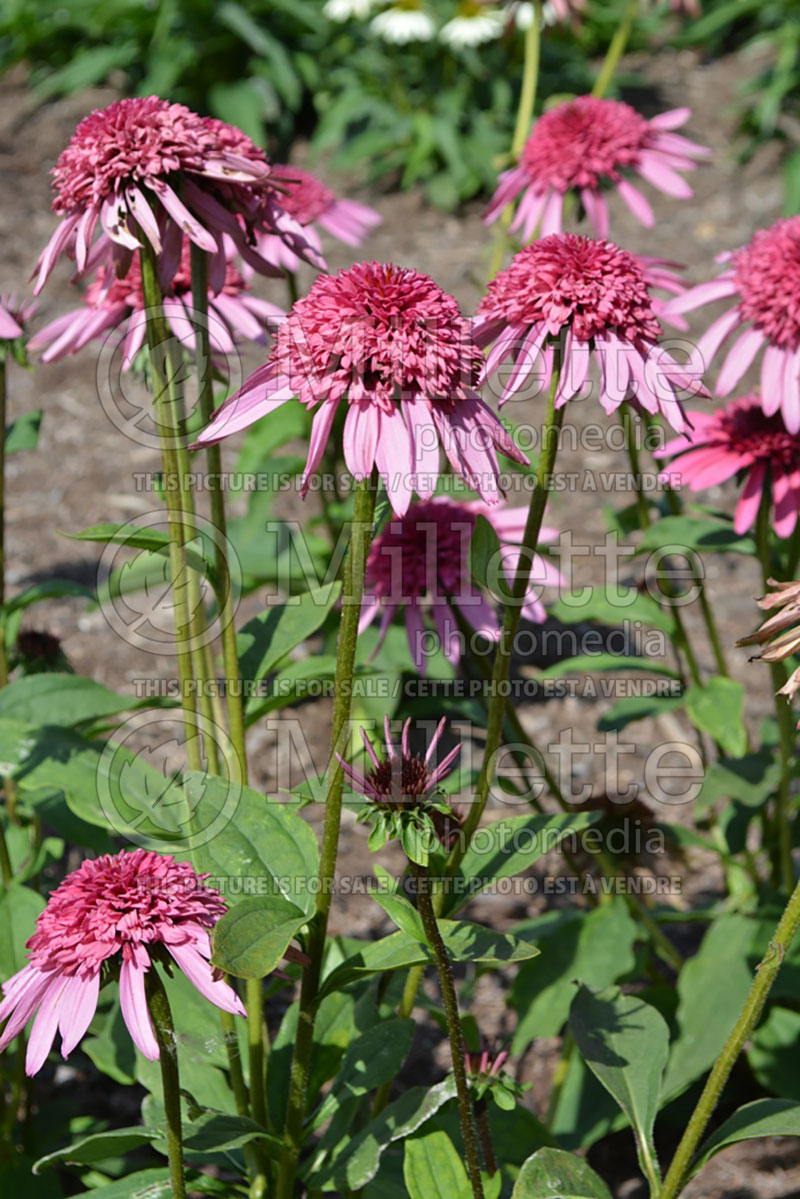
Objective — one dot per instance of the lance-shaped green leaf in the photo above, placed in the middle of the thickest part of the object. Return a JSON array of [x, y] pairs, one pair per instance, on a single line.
[[432, 1169], [485, 554], [23, 433], [19, 910], [624, 1042], [718, 709], [51, 589], [371, 1060], [155, 540], [270, 636], [251, 939], [66, 699], [465, 942], [98, 1146], [560, 1175], [611, 608], [762, 1118], [214, 1132]]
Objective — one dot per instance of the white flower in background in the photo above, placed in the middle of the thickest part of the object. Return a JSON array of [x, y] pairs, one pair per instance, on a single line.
[[404, 22], [472, 25], [347, 10]]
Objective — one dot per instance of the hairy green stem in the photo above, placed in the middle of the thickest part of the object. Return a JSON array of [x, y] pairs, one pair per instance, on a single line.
[[527, 100], [616, 49], [766, 973], [163, 1027], [352, 596], [166, 417], [784, 869], [454, 1030], [218, 517], [5, 859]]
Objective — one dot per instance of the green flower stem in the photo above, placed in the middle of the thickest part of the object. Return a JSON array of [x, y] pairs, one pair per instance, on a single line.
[[784, 869], [766, 973], [485, 1134], [616, 49], [527, 99], [157, 337], [454, 1030], [5, 861], [502, 662], [161, 1015], [256, 1043], [218, 517], [352, 596]]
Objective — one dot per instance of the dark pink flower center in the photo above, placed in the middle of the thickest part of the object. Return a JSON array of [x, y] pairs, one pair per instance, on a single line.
[[568, 280], [379, 331], [131, 140], [426, 550], [303, 196], [408, 775], [744, 428], [767, 275], [582, 141], [112, 904]]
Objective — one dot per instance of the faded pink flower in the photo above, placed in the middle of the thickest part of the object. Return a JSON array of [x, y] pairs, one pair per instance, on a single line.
[[15, 312], [485, 1062], [740, 437], [400, 779], [110, 302], [779, 635], [597, 295], [581, 144], [119, 910], [123, 170], [310, 203], [764, 277], [392, 346], [421, 563]]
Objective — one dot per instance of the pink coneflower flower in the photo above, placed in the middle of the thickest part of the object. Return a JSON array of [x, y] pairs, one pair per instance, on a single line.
[[740, 437], [779, 635], [117, 910], [110, 302], [583, 143], [123, 169], [485, 1062], [310, 202], [15, 312], [597, 294], [421, 563], [400, 780], [764, 277], [393, 346]]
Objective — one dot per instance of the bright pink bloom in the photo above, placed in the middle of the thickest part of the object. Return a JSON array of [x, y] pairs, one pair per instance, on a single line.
[[741, 437], [310, 202], [597, 294], [485, 1062], [583, 143], [764, 277], [109, 302], [393, 346], [421, 563], [400, 780], [123, 169], [113, 909]]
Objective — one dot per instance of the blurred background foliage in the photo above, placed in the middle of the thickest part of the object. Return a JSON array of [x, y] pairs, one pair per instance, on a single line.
[[420, 113]]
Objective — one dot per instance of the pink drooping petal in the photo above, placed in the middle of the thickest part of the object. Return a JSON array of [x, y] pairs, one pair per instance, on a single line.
[[198, 970], [320, 433], [78, 1006], [360, 442], [747, 508], [704, 293], [45, 1025], [180, 213], [738, 359], [133, 1003], [424, 446], [393, 457], [637, 203]]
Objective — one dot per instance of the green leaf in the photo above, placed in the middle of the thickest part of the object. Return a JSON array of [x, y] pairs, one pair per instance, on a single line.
[[155, 1184], [762, 1118], [111, 1048], [155, 540], [371, 1059], [485, 554], [52, 589], [251, 939], [681, 533], [62, 699], [596, 947], [361, 1156], [717, 979], [772, 1052], [432, 1169], [98, 1146], [553, 1172], [625, 1042], [23, 433], [263, 846], [750, 779], [19, 910], [270, 636], [464, 942], [624, 603], [397, 907], [594, 663], [507, 847], [214, 1132], [631, 708], [718, 709]]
